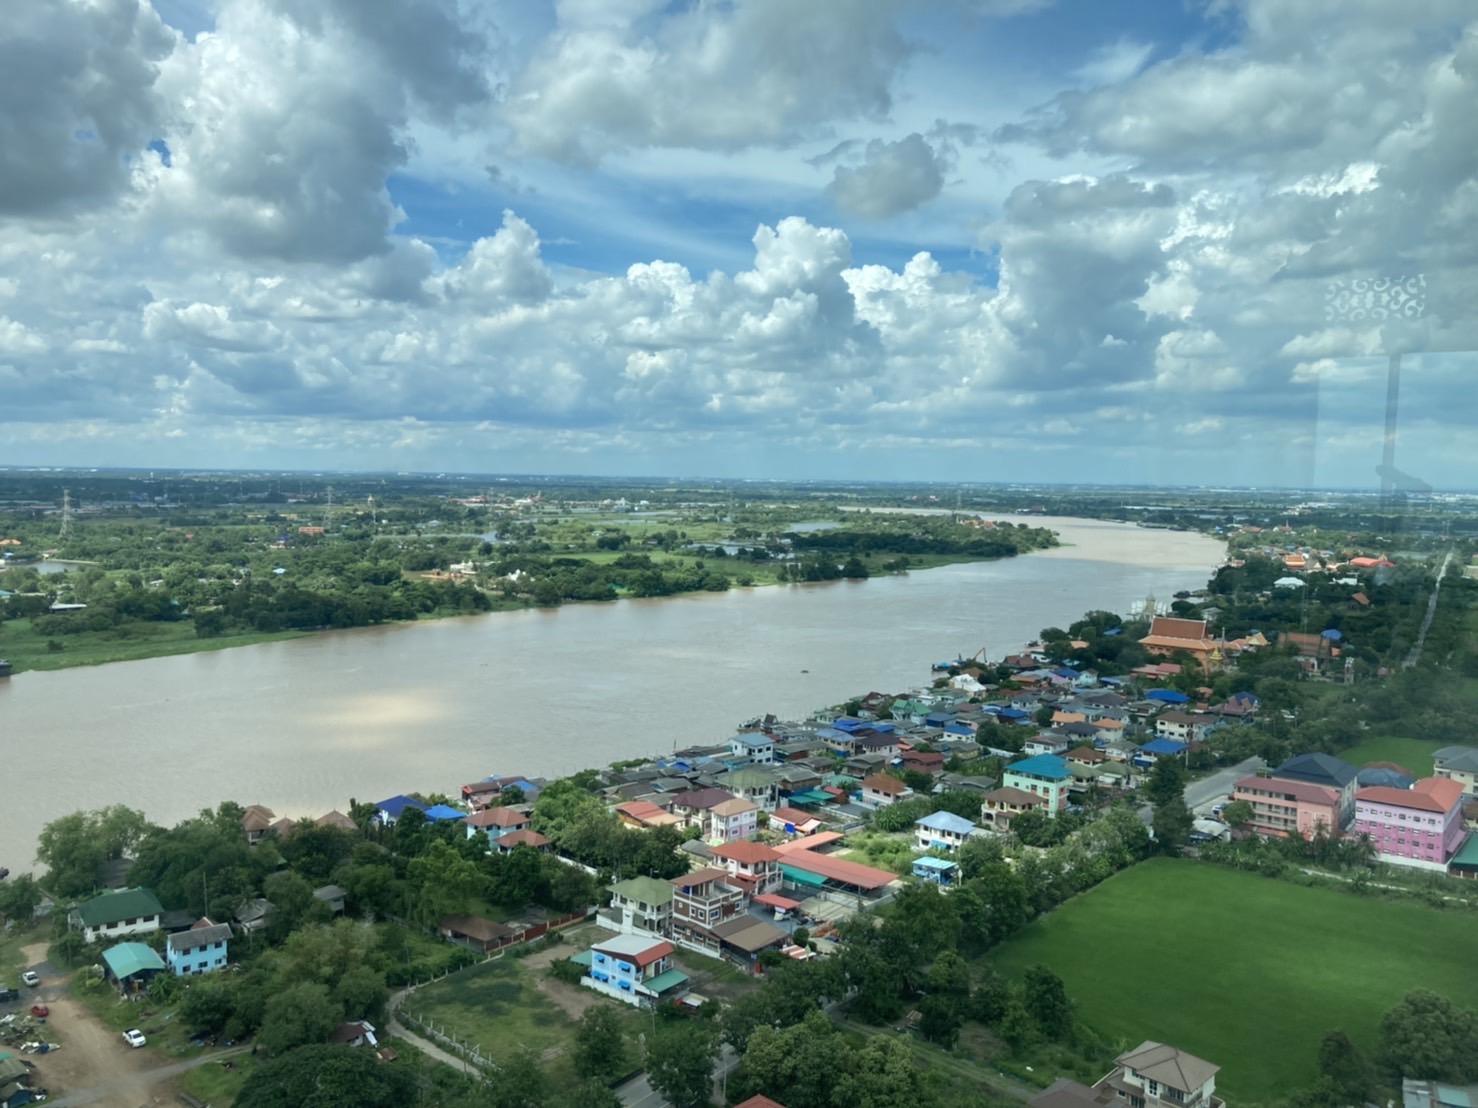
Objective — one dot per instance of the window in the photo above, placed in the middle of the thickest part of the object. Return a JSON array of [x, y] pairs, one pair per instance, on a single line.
[[1154, 1088]]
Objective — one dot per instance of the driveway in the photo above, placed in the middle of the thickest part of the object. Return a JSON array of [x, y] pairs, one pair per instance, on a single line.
[[1204, 794]]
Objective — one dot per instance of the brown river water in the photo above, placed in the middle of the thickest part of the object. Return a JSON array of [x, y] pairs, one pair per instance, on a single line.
[[304, 725]]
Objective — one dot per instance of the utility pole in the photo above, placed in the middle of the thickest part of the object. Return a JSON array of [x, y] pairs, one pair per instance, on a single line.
[[66, 532]]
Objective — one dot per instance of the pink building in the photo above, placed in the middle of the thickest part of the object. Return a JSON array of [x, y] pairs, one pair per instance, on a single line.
[[1421, 826], [1287, 808]]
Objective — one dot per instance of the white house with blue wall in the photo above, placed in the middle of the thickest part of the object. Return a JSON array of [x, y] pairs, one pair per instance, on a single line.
[[202, 949], [633, 969]]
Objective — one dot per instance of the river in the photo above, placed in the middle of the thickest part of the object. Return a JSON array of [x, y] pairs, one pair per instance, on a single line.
[[305, 724]]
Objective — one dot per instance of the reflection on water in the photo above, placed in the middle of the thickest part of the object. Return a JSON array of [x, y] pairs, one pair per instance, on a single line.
[[304, 725]]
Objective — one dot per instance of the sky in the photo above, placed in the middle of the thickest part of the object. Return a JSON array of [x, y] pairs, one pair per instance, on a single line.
[[1148, 241]]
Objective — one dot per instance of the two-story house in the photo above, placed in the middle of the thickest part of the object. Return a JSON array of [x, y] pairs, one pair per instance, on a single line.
[[1421, 827], [640, 904], [633, 969], [1183, 726], [759, 784], [999, 806], [494, 823], [753, 867], [1046, 776], [733, 819], [700, 902], [201, 949], [880, 790], [943, 831], [1155, 1075], [693, 806], [752, 746], [116, 914], [1460, 764]]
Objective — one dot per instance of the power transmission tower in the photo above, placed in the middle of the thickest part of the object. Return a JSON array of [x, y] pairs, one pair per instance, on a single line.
[[328, 510], [66, 514]]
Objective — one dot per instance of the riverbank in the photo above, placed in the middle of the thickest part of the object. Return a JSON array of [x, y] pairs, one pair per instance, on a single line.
[[29, 650]]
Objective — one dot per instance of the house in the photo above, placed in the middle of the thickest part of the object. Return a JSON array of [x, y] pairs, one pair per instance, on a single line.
[[1047, 742], [113, 915], [475, 932], [354, 1033], [1436, 1094], [523, 837], [1326, 770], [753, 867], [1152, 751], [254, 915], [1158, 1074], [938, 871], [388, 811], [497, 822], [1420, 827], [793, 821], [803, 864], [943, 831], [337, 819], [640, 904], [333, 896], [732, 819], [1169, 636], [757, 784], [700, 902], [131, 966], [256, 821], [1285, 808], [930, 762], [1046, 775], [201, 949], [742, 938], [1460, 764], [960, 782], [880, 790], [693, 806], [753, 746], [1184, 727], [643, 814], [633, 969], [999, 806]]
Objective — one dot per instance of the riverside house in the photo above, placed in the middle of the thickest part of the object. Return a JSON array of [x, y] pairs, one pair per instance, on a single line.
[[116, 914], [1046, 776], [201, 949]]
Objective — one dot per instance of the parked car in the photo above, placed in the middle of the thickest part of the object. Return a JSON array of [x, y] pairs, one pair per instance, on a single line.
[[134, 1038], [30, 978], [40, 1011], [7, 993]]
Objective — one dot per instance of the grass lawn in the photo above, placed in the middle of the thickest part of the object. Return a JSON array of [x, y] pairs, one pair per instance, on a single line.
[[1244, 971], [28, 650], [500, 1006], [1414, 754]]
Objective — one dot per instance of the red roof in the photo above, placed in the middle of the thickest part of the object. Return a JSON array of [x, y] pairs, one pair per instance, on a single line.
[[760, 1101], [772, 900], [882, 783], [810, 842], [498, 817], [746, 852], [790, 815], [698, 877], [522, 837], [838, 869], [1430, 794], [653, 953], [1294, 790]]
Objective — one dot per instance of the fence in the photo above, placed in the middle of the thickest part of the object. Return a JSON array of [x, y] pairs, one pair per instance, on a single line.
[[471, 1053]]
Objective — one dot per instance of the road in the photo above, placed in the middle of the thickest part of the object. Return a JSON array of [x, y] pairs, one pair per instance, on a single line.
[[1203, 795], [135, 1082], [1421, 636], [638, 1092]]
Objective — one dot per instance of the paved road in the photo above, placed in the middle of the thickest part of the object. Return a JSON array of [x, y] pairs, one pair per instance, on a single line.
[[136, 1082], [638, 1092], [1203, 795], [1421, 636]]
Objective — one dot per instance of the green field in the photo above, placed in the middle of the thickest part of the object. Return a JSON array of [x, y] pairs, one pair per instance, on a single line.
[[1414, 754], [1245, 971], [26, 649]]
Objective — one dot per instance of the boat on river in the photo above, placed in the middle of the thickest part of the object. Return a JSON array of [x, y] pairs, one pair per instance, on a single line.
[[5, 668]]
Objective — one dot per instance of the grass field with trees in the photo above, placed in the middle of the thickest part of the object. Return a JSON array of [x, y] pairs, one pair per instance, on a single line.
[[1414, 754], [1244, 971]]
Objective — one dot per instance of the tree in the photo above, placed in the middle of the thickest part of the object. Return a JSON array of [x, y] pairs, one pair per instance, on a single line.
[[1425, 1036], [19, 897], [1167, 781], [1346, 1066], [1238, 813], [801, 1062], [443, 881], [299, 1015], [208, 1004], [680, 1063], [1173, 823], [321, 1076], [363, 994], [74, 846], [940, 1019], [1045, 998], [600, 1045], [964, 803]]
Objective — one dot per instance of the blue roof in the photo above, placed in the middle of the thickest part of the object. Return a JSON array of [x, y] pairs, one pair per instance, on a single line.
[[1332, 634], [828, 734], [938, 719], [1167, 696], [1113, 631], [1065, 671], [1043, 765], [397, 804], [939, 865], [849, 725], [946, 821], [1113, 681], [443, 812], [1011, 713], [883, 727], [958, 728], [1164, 746], [127, 959]]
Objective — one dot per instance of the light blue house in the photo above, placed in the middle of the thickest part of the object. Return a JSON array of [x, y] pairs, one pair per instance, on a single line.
[[943, 831], [202, 949], [937, 871], [1046, 776], [635, 969]]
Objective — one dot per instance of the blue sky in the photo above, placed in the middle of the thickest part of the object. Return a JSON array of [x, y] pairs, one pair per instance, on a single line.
[[997, 239]]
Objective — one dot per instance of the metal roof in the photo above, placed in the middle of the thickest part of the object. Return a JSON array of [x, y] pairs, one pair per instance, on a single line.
[[127, 959]]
